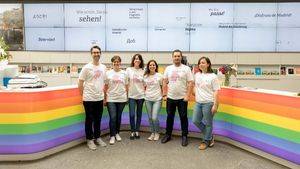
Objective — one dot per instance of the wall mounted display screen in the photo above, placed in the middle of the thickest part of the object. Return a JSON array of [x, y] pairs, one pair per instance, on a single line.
[[84, 26], [195, 27], [51, 39], [211, 27], [255, 27], [44, 27], [167, 27], [288, 27], [11, 25], [126, 27]]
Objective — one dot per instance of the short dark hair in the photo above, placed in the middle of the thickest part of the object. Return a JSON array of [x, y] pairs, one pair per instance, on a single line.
[[147, 72], [95, 47], [116, 57], [184, 60], [140, 58], [177, 50], [209, 69]]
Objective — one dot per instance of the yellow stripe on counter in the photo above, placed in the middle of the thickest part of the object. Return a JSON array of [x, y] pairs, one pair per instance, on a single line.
[[191, 105], [36, 117], [274, 120]]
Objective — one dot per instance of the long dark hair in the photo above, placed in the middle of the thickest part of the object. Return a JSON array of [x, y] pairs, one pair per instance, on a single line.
[[209, 69], [140, 58], [147, 72]]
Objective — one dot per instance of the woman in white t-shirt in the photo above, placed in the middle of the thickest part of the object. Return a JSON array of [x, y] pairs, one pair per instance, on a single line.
[[136, 94], [206, 91], [153, 97], [116, 87]]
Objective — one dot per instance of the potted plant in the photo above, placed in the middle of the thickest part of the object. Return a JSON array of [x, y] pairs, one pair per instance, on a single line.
[[228, 70], [4, 54]]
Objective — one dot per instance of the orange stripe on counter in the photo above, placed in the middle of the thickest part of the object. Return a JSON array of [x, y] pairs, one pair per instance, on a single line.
[[25, 97], [274, 99], [274, 109], [39, 106]]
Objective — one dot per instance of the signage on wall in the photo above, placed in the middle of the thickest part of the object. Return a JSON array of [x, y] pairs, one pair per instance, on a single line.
[[223, 27]]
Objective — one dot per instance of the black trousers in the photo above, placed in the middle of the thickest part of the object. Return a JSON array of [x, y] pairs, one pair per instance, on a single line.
[[93, 115], [182, 110]]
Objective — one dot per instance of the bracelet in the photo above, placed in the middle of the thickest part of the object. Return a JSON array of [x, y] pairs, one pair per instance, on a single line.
[[164, 95]]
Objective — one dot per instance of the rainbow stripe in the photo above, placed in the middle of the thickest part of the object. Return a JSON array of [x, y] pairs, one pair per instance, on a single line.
[[267, 122], [32, 122]]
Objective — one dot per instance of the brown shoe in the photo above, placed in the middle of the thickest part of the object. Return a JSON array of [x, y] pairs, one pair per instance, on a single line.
[[203, 146]]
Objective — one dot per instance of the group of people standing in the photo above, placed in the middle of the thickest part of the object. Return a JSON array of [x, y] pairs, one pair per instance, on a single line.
[[138, 84]]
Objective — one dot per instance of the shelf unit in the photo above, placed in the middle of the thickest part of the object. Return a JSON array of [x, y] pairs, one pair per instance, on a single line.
[[269, 63]]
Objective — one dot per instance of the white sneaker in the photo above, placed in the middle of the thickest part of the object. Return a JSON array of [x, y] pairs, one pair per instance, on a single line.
[[91, 145], [151, 137], [118, 137], [100, 142], [156, 136], [132, 136], [112, 140], [137, 136]]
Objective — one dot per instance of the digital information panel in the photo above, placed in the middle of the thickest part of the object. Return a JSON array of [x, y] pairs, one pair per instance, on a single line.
[[255, 27], [44, 27], [51, 39], [168, 27], [44, 15], [84, 26], [211, 27], [215, 27], [126, 27], [288, 27], [81, 39]]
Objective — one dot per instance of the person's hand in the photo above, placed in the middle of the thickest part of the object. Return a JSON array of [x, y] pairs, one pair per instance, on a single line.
[[104, 102], [214, 109], [165, 98], [186, 98]]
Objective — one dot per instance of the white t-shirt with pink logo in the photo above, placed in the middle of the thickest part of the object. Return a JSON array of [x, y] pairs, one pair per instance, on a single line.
[[136, 84], [205, 86], [93, 77], [178, 77], [153, 85], [116, 82]]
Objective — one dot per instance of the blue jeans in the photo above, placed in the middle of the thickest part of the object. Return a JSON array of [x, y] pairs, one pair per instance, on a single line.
[[135, 108], [203, 119], [115, 110], [153, 108]]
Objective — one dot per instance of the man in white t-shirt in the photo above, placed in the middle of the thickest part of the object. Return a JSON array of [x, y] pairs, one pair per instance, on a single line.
[[178, 80], [90, 84]]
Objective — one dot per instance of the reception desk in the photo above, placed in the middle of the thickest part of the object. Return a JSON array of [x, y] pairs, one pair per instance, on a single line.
[[38, 122]]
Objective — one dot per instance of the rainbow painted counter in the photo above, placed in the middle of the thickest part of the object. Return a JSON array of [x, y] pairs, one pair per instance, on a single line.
[[36, 121]]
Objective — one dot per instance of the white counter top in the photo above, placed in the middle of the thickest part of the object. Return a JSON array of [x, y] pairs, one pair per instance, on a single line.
[[38, 89], [277, 92]]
